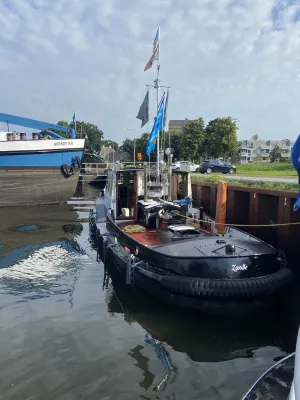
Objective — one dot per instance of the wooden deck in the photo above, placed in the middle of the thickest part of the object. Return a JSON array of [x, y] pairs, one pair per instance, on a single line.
[[147, 238]]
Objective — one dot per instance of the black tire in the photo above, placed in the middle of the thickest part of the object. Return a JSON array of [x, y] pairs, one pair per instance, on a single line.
[[249, 288], [209, 171], [65, 170], [77, 162], [231, 171]]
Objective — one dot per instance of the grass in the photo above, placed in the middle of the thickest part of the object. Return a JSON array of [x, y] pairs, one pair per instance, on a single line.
[[267, 169], [263, 185]]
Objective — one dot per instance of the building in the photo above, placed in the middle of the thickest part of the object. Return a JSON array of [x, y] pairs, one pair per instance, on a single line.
[[106, 151], [176, 125], [259, 150]]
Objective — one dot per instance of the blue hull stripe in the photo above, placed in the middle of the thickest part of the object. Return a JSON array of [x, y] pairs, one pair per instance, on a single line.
[[40, 159]]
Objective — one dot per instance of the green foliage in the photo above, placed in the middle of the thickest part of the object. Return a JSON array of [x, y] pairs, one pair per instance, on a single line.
[[93, 133], [262, 185], [193, 140], [275, 154], [64, 134], [63, 123], [255, 137], [267, 169], [175, 141], [221, 138], [140, 147], [127, 146], [218, 139]]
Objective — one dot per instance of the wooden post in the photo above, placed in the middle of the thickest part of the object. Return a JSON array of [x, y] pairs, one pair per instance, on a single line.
[[221, 207]]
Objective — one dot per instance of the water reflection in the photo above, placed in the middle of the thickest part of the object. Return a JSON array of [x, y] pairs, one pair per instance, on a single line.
[[68, 331], [203, 338], [39, 260]]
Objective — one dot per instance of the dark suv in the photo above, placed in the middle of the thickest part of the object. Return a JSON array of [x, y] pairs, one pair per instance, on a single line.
[[210, 166]]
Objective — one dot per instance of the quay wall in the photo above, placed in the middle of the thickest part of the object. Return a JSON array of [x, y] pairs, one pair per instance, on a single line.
[[254, 206]]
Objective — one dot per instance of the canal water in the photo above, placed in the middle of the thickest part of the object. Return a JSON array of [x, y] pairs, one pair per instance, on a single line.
[[68, 333]]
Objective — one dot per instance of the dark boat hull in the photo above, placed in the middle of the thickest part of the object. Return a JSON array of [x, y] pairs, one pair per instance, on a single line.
[[185, 258], [32, 186], [157, 283], [194, 273]]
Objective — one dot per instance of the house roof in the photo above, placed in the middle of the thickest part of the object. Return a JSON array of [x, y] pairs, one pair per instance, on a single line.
[[105, 151]]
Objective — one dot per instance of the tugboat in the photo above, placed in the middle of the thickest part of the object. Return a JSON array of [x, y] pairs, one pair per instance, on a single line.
[[154, 237], [149, 233]]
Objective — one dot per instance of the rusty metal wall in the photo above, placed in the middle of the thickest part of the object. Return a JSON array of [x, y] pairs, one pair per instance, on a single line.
[[254, 206]]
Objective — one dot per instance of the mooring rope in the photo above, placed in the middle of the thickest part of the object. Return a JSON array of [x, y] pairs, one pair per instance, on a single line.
[[239, 225], [134, 229]]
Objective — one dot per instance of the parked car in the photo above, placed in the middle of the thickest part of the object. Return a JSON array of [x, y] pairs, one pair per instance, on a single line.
[[210, 166], [183, 164]]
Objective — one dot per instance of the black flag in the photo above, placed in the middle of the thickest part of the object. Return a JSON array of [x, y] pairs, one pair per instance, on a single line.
[[143, 113]]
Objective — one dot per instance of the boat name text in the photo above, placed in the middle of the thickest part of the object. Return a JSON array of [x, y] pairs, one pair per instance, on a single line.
[[236, 268], [63, 143]]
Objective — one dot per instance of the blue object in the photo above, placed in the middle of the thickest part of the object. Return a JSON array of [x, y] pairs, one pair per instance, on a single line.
[[295, 155], [40, 125], [74, 117], [184, 202], [160, 351], [157, 126], [41, 159]]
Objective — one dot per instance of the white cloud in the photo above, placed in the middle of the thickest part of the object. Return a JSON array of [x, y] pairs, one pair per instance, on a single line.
[[221, 57]]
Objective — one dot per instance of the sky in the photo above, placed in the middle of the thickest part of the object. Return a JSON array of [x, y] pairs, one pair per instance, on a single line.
[[238, 58]]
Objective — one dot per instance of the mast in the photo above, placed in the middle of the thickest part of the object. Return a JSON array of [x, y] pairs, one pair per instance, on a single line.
[[156, 86]]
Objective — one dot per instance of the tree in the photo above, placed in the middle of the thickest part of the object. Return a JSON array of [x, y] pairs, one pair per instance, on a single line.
[[255, 137], [175, 139], [127, 146], [222, 137], [193, 140], [275, 154], [93, 133], [140, 147]]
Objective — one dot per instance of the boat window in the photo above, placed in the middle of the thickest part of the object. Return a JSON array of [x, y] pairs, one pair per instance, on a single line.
[[126, 195]]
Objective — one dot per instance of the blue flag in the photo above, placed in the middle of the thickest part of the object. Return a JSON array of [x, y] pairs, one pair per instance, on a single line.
[[74, 117], [157, 126]]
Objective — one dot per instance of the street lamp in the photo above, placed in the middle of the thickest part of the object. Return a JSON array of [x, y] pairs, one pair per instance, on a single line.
[[132, 129]]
